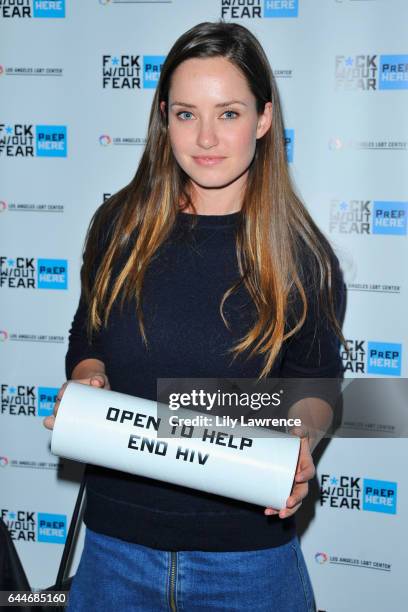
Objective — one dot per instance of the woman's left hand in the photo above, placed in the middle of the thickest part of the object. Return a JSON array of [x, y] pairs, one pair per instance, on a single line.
[[305, 471]]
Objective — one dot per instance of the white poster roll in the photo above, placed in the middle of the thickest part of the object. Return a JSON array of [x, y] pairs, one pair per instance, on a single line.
[[121, 432]]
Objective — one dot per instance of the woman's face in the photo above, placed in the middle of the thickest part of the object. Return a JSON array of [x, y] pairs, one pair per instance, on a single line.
[[212, 121]]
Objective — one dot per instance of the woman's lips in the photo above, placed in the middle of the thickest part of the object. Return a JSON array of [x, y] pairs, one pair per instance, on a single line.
[[208, 161]]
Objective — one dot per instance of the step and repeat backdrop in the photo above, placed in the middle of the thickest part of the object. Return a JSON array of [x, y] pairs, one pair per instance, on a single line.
[[77, 80]]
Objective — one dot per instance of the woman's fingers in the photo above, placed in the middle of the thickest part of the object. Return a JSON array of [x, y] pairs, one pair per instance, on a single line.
[[270, 511], [96, 380], [293, 502], [306, 474], [59, 397], [298, 494], [285, 512], [49, 421]]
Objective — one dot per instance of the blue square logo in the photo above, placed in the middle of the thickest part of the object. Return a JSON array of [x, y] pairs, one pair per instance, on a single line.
[[384, 358], [390, 218], [51, 140], [49, 8], [289, 144], [52, 274], [51, 528], [380, 496], [393, 72], [46, 397], [281, 8], [152, 65]]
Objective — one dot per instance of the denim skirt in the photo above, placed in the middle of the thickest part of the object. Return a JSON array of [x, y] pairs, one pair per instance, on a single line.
[[114, 575]]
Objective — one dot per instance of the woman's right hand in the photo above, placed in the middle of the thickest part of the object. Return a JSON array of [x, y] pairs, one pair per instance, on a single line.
[[96, 380]]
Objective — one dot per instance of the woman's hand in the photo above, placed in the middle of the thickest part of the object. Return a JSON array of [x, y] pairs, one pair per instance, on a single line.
[[305, 471], [96, 380]]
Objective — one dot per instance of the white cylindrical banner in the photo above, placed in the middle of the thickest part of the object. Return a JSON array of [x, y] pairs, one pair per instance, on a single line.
[[122, 432]]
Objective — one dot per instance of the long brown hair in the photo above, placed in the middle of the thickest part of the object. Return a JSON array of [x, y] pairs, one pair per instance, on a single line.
[[276, 225]]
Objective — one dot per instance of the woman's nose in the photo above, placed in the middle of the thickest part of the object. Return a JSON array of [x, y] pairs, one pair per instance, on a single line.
[[207, 136]]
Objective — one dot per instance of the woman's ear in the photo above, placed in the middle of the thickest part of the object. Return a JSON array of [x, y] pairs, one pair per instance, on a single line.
[[264, 121], [164, 113]]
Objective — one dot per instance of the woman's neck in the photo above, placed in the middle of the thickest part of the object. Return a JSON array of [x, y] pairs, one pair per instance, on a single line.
[[210, 211], [222, 201]]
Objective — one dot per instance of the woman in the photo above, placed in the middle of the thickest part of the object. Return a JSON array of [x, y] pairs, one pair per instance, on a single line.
[[206, 265]]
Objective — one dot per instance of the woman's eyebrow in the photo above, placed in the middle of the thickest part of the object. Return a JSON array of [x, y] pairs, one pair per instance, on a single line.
[[220, 105]]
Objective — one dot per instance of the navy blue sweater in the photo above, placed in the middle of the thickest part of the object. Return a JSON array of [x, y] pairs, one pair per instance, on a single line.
[[188, 339]]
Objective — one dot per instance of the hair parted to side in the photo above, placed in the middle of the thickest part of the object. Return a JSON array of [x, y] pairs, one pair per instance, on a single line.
[[274, 225]]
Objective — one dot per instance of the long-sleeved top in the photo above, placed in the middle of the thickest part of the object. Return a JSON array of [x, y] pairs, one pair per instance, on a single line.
[[187, 338]]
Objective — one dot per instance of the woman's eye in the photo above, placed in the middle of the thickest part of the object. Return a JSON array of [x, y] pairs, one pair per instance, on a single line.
[[233, 112], [183, 113]]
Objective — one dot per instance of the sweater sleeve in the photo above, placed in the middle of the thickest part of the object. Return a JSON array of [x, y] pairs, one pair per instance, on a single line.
[[314, 351], [312, 358], [79, 345]]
